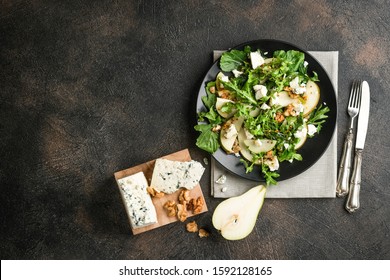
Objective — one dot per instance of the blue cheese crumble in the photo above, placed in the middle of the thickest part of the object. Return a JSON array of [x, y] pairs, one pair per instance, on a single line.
[[138, 203]]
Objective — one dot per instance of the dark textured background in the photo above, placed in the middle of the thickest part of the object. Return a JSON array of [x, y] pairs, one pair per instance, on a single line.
[[92, 87]]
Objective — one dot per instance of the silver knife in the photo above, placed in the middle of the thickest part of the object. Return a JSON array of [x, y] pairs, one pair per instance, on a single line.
[[354, 185]]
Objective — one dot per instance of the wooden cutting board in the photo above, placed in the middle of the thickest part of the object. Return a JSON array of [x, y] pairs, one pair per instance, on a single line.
[[147, 169]]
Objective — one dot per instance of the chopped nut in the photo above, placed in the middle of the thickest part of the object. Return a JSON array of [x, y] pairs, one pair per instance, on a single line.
[[279, 117], [224, 93], [203, 233], [195, 205], [199, 206], [182, 213], [190, 205], [184, 196], [192, 227], [291, 93], [212, 89], [154, 193], [269, 154], [289, 111], [216, 128], [170, 206]]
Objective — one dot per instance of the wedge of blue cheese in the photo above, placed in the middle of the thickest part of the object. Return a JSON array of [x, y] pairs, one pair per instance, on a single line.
[[138, 203], [169, 176]]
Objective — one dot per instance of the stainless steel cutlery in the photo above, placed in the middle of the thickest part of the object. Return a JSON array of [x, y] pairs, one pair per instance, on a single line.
[[358, 105], [353, 197], [342, 187]]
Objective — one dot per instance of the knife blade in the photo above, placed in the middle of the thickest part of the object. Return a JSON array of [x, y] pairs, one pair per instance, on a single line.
[[353, 197], [363, 116]]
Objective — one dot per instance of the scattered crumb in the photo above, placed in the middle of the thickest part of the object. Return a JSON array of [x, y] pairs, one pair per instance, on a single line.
[[221, 180], [203, 233]]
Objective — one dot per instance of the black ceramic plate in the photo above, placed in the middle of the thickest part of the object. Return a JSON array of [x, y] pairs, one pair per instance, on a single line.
[[314, 147]]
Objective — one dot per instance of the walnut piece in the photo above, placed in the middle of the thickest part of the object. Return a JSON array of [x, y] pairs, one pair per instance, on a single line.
[[182, 213], [154, 193], [279, 117], [195, 205], [203, 233], [192, 227], [184, 196], [171, 208]]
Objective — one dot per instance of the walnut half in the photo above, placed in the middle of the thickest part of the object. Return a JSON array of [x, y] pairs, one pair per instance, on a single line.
[[184, 196], [170, 206], [154, 193], [182, 213], [192, 227], [196, 205]]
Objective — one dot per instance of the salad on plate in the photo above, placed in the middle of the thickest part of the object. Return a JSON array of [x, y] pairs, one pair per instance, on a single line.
[[261, 108]]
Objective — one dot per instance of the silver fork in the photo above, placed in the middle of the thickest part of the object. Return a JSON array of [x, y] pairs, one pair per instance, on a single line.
[[342, 187]]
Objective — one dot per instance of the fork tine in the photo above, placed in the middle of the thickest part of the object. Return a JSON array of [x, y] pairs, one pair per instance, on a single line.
[[359, 94], [352, 96], [355, 96]]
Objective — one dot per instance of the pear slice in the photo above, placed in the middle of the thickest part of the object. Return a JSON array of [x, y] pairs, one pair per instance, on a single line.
[[312, 96], [244, 151], [260, 145], [218, 106], [255, 111], [228, 143], [283, 99], [218, 83], [302, 138], [236, 217]]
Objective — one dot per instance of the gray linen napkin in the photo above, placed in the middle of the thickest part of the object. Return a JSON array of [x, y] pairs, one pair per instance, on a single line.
[[318, 181]]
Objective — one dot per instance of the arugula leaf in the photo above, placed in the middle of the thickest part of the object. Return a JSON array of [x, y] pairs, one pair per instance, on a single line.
[[212, 116], [269, 176], [289, 154], [207, 140], [292, 59], [318, 116], [241, 93], [232, 59], [209, 99]]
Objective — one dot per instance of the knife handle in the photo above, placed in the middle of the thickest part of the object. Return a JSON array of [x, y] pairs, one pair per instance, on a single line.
[[345, 166], [353, 197]]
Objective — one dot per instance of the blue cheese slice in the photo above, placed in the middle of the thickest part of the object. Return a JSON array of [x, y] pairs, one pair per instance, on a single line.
[[138, 203], [169, 176]]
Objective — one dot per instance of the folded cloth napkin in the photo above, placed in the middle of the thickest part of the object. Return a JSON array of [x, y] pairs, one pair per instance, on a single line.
[[318, 181]]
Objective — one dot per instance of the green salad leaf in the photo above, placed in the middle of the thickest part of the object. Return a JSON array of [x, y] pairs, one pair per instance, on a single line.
[[232, 60], [207, 140]]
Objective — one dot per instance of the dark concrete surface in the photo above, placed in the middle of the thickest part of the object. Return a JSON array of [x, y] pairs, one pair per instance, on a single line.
[[88, 88]]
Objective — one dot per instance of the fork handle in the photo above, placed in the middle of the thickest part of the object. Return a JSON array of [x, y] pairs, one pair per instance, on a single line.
[[342, 187], [353, 198]]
